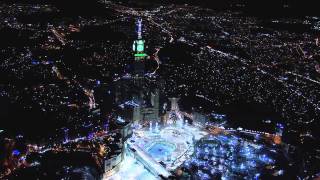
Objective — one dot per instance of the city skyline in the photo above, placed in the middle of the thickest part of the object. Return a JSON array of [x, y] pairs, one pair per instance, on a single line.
[[159, 90]]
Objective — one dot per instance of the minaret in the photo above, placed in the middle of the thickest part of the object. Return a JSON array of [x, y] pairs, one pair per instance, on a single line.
[[174, 104], [155, 103], [138, 49]]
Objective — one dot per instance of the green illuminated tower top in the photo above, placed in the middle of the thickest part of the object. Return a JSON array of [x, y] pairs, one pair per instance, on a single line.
[[138, 45]]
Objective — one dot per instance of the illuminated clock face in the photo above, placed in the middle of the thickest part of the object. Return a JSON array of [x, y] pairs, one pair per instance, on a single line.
[[140, 48], [140, 45]]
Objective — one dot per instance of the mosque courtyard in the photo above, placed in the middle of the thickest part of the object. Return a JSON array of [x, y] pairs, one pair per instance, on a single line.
[[160, 150]]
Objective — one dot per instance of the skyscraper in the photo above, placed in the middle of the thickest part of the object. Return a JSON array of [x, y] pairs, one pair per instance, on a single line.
[[145, 96], [138, 49]]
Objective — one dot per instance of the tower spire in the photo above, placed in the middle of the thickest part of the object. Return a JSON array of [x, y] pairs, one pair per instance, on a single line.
[[139, 28], [138, 44]]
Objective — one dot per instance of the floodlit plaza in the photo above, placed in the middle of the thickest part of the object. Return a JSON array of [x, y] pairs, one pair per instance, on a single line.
[[161, 150], [131, 169], [158, 149], [169, 145], [230, 157]]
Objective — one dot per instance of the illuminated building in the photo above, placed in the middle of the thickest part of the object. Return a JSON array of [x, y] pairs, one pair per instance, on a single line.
[[151, 111], [138, 45], [138, 48], [174, 104]]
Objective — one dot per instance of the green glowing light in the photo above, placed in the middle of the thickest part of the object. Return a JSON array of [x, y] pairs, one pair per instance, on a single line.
[[140, 45], [140, 48], [140, 55]]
